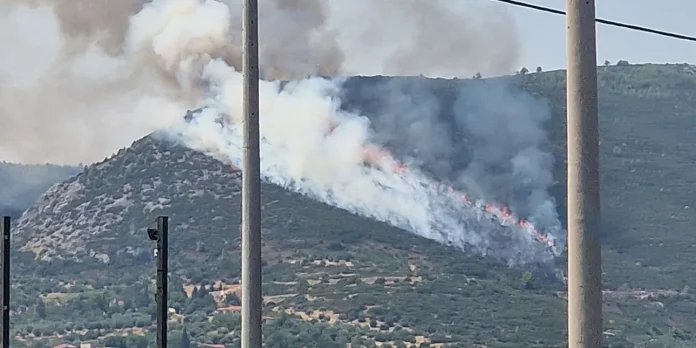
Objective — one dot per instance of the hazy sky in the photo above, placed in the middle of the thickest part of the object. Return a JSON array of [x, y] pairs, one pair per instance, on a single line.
[[543, 34]]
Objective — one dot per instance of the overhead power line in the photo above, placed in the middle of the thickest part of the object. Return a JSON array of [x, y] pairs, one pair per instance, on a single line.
[[602, 21]]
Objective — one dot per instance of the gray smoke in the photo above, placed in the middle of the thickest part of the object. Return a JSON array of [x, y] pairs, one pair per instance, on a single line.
[[410, 116], [485, 137], [110, 73], [442, 38], [510, 158]]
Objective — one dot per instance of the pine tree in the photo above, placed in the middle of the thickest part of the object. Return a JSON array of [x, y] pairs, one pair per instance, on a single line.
[[41, 309], [144, 299], [185, 339]]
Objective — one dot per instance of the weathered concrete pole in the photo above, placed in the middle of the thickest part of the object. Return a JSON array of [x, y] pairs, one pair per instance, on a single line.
[[584, 253]]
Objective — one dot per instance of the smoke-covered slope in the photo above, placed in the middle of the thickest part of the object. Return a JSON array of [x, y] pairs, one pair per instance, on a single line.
[[101, 215], [117, 198], [631, 135], [481, 186]]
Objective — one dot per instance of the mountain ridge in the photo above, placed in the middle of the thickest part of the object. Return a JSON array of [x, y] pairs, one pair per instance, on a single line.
[[341, 272]]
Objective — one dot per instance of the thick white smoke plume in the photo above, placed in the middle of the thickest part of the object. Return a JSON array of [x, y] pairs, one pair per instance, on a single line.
[[72, 89], [311, 146], [171, 55]]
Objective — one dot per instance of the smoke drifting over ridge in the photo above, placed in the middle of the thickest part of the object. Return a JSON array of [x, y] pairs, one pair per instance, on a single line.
[[74, 90], [487, 139], [446, 38], [97, 91]]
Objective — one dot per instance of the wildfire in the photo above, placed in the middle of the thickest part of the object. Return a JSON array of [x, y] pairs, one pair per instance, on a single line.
[[375, 156]]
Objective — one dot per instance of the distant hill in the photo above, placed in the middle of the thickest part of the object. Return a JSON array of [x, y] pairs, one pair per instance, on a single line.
[[21, 184], [332, 278], [12, 212]]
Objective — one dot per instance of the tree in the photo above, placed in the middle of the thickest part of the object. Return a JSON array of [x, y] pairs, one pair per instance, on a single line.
[[622, 63], [185, 339], [232, 299], [41, 309], [202, 292], [115, 341], [524, 70], [206, 304], [478, 76], [302, 286], [527, 280], [136, 341], [102, 302], [143, 299], [607, 63], [538, 70]]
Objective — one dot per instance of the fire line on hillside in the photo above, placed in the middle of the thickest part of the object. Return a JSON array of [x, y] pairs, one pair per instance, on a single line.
[[494, 212]]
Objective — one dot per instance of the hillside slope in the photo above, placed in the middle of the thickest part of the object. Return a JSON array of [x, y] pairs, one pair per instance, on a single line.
[[646, 150], [319, 260], [329, 266], [314, 254]]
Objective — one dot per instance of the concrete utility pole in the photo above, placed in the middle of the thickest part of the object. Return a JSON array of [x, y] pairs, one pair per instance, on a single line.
[[251, 183], [161, 236], [584, 254], [5, 298]]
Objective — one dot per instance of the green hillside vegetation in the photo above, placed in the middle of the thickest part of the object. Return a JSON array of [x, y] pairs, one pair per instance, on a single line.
[[647, 146], [332, 278]]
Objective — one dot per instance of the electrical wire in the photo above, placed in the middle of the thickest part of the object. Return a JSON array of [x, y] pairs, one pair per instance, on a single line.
[[602, 21]]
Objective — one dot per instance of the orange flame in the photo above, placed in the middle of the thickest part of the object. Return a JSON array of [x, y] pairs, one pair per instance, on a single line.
[[506, 212], [373, 155]]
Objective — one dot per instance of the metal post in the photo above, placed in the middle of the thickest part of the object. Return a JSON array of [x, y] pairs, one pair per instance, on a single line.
[[6, 223], [162, 275], [251, 183], [161, 235], [584, 253]]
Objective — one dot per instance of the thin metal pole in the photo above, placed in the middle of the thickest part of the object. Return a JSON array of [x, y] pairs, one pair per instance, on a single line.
[[584, 253], [6, 223], [251, 183], [162, 281]]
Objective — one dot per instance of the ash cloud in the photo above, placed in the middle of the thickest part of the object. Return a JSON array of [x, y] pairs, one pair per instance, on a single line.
[[412, 117], [510, 159], [82, 85], [485, 137], [440, 38], [74, 89]]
